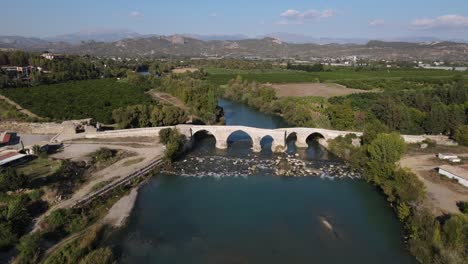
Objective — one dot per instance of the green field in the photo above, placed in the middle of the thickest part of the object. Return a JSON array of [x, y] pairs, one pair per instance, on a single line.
[[222, 76], [80, 99]]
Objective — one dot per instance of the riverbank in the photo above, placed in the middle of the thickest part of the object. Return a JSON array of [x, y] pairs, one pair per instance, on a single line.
[[121, 210]]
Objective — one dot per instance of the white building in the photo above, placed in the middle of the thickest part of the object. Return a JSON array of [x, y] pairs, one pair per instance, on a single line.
[[446, 156], [460, 173]]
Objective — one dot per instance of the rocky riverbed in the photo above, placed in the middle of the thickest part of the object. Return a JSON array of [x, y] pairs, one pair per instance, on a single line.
[[280, 165]]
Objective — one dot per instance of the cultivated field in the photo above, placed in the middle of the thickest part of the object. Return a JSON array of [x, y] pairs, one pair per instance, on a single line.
[[326, 90], [184, 70]]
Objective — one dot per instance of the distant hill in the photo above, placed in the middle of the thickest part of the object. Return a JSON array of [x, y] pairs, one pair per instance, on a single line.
[[179, 45], [103, 35]]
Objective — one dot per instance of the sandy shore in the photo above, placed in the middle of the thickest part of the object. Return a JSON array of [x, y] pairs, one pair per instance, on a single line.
[[121, 210]]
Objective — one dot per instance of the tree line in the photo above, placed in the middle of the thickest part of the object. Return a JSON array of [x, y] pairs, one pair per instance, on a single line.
[[430, 239]]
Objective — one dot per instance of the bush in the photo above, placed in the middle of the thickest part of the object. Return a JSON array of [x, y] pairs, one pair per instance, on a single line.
[[174, 142], [29, 249], [10, 180], [7, 237], [73, 251], [101, 256], [102, 155]]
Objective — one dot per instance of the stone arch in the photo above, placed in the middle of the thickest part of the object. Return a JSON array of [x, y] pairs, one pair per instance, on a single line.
[[317, 137], [291, 141], [267, 143], [203, 133], [239, 135]]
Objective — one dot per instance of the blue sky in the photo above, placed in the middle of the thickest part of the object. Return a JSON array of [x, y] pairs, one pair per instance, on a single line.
[[331, 18]]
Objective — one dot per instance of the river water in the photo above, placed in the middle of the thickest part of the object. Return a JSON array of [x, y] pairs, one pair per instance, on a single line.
[[214, 208]]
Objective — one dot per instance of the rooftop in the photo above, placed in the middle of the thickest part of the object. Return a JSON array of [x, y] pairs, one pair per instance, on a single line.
[[460, 171]]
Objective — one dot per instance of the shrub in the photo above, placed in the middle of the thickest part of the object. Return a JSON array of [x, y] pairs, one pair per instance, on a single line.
[[101, 256], [29, 249], [102, 155], [7, 236], [173, 140], [10, 180]]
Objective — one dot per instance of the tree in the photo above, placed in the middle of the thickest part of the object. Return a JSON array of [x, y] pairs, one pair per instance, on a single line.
[[461, 135], [18, 215], [29, 249], [403, 211], [386, 148], [437, 119], [7, 236], [10, 180], [371, 130], [455, 232], [341, 116]]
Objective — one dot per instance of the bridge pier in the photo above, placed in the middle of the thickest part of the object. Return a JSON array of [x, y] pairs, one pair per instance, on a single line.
[[256, 146]]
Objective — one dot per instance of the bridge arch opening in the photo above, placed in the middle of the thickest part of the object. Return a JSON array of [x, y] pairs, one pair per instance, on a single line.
[[241, 138], [291, 140], [204, 138], [315, 149], [314, 137], [266, 144]]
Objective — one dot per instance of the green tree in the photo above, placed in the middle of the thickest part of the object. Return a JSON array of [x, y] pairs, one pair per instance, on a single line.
[[7, 237], [437, 119], [461, 135], [386, 148], [341, 116], [371, 130], [101, 256], [10, 180], [29, 249], [18, 215], [403, 211]]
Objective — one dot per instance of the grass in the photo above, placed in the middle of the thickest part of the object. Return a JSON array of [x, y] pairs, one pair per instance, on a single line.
[[9, 112], [78, 99], [100, 185], [39, 168], [132, 162]]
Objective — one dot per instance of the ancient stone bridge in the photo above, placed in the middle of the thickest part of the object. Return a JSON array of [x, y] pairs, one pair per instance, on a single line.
[[222, 133], [278, 136]]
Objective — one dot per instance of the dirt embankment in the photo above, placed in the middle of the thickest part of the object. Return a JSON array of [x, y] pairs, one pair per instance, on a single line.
[[326, 90], [120, 211]]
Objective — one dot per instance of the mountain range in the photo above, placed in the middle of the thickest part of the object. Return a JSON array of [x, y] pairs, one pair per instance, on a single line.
[[131, 44]]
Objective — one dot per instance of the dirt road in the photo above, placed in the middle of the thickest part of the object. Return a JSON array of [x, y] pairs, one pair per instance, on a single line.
[[80, 150], [443, 195]]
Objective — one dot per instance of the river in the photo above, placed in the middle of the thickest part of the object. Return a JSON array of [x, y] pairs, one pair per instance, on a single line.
[[239, 215]]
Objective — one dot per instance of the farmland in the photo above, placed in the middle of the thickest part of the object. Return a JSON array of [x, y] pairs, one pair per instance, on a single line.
[[79, 99]]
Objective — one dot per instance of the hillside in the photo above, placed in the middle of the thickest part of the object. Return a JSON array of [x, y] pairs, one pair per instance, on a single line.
[[177, 45]]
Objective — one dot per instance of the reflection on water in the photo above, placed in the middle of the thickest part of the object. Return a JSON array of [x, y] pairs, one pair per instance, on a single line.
[[258, 218]]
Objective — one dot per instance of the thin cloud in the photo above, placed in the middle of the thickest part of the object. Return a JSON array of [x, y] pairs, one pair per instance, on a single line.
[[441, 22], [292, 16], [136, 14], [377, 22], [214, 14]]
